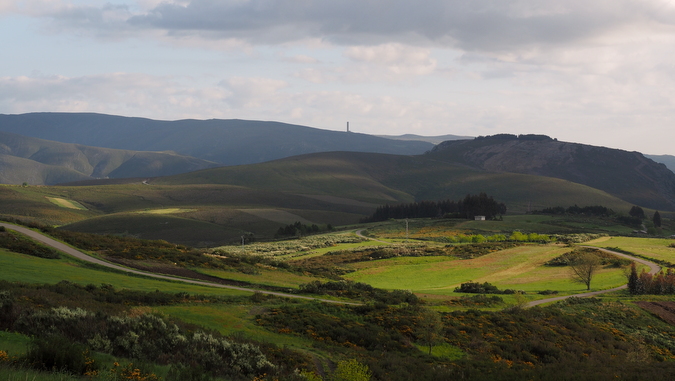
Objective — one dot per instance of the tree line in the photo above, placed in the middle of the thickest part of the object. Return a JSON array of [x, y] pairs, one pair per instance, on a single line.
[[469, 207], [645, 283]]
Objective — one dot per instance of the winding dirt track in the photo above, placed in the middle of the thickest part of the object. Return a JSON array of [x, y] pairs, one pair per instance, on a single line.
[[653, 269], [87, 258]]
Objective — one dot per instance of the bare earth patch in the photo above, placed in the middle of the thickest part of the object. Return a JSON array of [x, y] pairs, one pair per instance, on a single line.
[[664, 310]]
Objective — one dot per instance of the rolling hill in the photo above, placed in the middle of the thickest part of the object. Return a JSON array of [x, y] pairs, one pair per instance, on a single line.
[[228, 142], [627, 175], [43, 162], [219, 205]]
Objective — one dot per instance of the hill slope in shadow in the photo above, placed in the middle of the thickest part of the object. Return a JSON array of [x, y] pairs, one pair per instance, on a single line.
[[627, 175], [228, 142]]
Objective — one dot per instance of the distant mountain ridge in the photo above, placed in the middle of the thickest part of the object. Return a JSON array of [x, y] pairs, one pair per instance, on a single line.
[[668, 160], [228, 142], [43, 162], [628, 175], [429, 139]]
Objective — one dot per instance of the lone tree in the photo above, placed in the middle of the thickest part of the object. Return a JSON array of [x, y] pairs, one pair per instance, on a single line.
[[429, 328], [584, 267], [657, 219]]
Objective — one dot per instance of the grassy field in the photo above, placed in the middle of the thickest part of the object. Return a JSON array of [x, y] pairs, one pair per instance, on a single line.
[[278, 278], [657, 248], [24, 268], [520, 268]]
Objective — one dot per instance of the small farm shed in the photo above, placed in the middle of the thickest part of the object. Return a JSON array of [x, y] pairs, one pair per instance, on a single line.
[[479, 218]]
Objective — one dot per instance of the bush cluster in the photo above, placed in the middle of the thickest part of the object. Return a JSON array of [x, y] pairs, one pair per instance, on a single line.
[[146, 337], [477, 301], [300, 229], [357, 290], [484, 288], [606, 259]]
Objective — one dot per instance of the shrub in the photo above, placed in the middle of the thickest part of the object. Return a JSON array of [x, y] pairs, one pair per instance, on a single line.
[[485, 288], [57, 353], [477, 300]]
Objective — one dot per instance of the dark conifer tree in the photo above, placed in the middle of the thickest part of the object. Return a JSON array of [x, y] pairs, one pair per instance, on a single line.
[[657, 219]]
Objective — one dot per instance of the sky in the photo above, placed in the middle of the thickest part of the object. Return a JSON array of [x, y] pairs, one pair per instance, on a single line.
[[598, 72]]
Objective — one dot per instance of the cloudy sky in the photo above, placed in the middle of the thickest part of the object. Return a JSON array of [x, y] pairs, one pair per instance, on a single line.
[[600, 72]]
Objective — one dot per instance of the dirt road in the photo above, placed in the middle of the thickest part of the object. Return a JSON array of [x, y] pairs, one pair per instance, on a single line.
[[87, 258]]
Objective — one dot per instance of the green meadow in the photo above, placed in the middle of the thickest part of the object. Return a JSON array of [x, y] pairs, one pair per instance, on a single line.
[[24, 268], [520, 268], [657, 248]]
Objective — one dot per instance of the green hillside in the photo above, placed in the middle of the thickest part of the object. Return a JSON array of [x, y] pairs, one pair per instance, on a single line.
[[391, 179], [219, 205], [39, 162]]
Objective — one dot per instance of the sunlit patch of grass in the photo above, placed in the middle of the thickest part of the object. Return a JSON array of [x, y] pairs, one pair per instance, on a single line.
[[167, 211], [445, 351], [70, 204], [657, 248]]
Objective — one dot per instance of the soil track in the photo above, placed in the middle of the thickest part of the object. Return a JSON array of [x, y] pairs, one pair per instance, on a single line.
[[87, 258]]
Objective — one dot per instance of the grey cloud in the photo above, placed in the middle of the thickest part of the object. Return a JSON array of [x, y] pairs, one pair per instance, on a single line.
[[467, 24]]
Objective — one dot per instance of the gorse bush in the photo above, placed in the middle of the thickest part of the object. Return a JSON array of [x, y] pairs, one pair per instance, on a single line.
[[350, 289]]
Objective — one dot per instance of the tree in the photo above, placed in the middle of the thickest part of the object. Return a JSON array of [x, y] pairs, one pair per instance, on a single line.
[[633, 285], [429, 328], [657, 219], [584, 268], [637, 212]]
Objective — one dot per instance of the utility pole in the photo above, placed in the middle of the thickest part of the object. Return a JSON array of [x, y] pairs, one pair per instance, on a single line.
[[347, 126], [406, 230]]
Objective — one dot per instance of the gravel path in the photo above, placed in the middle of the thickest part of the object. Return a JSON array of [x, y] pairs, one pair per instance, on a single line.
[[87, 258]]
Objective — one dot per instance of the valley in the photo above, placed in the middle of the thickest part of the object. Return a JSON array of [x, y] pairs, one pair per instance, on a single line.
[[285, 269]]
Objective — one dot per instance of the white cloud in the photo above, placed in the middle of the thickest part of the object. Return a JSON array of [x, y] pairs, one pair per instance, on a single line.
[[117, 93], [396, 59]]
